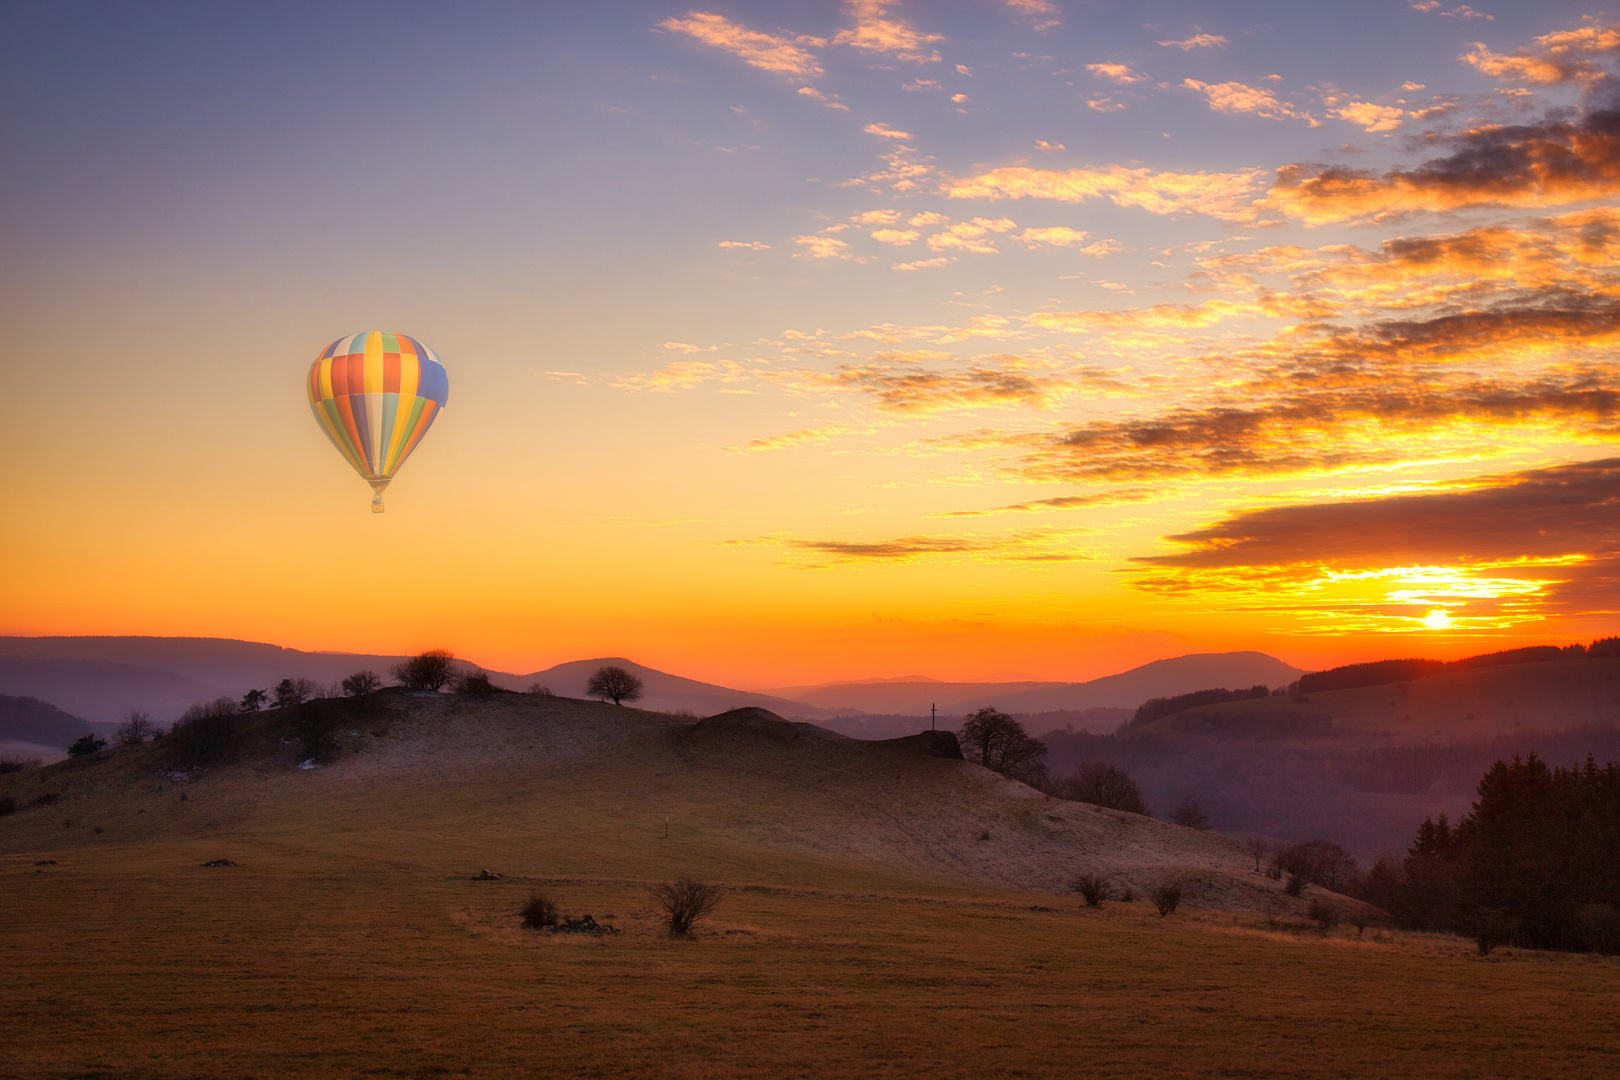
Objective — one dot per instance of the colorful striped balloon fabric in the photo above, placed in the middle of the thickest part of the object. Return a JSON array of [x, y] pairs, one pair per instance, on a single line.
[[375, 395]]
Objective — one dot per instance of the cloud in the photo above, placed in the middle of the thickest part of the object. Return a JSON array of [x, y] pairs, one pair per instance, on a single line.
[[1488, 552], [877, 217], [985, 382], [899, 237], [1042, 13], [1371, 118], [904, 172], [884, 131], [970, 235], [1561, 57], [1226, 196], [829, 100], [791, 439], [1049, 147], [747, 245], [1064, 502], [922, 264], [1547, 163], [822, 247], [1104, 105], [1179, 316], [685, 375], [1461, 11], [1055, 235], [769, 52], [1116, 73], [1236, 97], [1197, 41], [875, 33], [1031, 545]]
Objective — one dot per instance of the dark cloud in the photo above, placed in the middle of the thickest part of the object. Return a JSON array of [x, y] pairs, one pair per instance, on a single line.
[[1553, 162], [1065, 502], [1031, 545], [1555, 531]]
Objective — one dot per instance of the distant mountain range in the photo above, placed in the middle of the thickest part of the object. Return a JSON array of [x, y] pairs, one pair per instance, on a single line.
[[1127, 690], [100, 679]]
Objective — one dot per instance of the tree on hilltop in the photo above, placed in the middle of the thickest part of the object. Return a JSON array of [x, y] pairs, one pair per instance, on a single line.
[[614, 682], [425, 671], [136, 729], [362, 684], [1000, 743]]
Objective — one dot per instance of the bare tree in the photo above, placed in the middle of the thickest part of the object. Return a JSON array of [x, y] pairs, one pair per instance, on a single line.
[[136, 729], [1001, 744], [1102, 784], [1191, 815], [614, 682], [685, 902], [1258, 848], [425, 671], [1166, 898], [362, 684]]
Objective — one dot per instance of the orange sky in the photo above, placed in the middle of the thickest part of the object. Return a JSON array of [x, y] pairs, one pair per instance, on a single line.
[[791, 343]]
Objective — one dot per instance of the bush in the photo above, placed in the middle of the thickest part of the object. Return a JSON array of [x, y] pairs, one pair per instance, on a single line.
[[1102, 784], [1166, 898], [425, 671], [11, 765], [685, 902], [539, 913], [1295, 886], [362, 684], [1191, 815], [8, 805], [474, 682], [86, 745], [614, 682], [540, 691], [1324, 914], [1093, 889]]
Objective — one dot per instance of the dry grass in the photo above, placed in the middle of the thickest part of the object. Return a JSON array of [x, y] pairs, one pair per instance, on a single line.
[[351, 939]]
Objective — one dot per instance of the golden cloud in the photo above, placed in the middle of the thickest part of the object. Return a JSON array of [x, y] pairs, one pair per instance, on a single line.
[[1226, 196], [1562, 57], [1197, 41], [1031, 545], [1236, 97], [873, 32], [768, 52], [1116, 73]]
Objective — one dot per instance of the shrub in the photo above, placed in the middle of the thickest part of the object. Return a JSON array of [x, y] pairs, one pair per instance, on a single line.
[[1295, 886], [1102, 784], [1191, 815], [1093, 889], [362, 684], [86, 745], [685, 902], [474, 682], [1166, 898], [1324, 914], [11, 765], [614, 682], [540, 691], [425, 671], [8, 805], [539, 913]]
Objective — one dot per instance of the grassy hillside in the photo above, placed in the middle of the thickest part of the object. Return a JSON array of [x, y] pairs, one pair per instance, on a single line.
[[867, 929]]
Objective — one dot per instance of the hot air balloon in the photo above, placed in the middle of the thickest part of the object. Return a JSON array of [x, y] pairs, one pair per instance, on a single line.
[[375, 395]]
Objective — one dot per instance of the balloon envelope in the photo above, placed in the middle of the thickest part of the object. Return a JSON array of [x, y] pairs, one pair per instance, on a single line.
[[375, 394]]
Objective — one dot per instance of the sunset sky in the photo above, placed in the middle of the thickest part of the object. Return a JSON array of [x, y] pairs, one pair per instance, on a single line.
[[790, 342]]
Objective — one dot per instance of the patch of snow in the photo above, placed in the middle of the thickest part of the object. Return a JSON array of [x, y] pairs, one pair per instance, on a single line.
[[310, 764]]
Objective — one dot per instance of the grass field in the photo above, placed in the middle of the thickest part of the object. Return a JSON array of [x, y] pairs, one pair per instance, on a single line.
[[352, 940]]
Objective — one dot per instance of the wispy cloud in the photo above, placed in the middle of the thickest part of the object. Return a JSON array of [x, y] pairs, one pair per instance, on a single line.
[[1227, 196], [776, 53], [1563, 57], [1031, 545], [1116, 73], [884, 131], [1236, 97], [1196, 41], [1116, 497], [875, 31]]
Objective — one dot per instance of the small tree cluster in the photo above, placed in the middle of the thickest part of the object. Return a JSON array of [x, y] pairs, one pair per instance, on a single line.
[[686, 901], [474, 682], [291, 693], [428, 671], [1102, 784], [615, 683], [203, 731], [1318, 862]]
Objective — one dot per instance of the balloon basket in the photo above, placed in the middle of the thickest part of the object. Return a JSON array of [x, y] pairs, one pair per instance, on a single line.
[[376, 503]]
